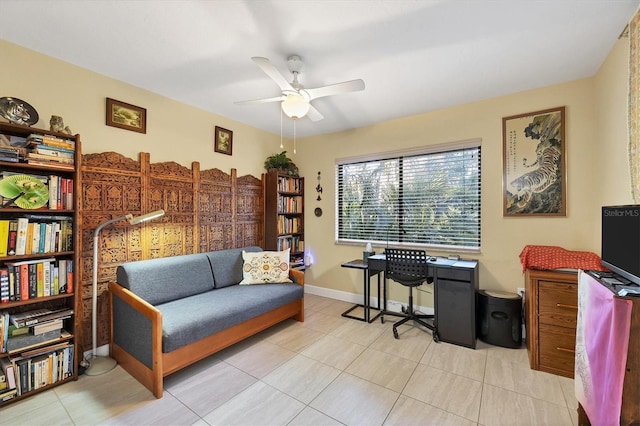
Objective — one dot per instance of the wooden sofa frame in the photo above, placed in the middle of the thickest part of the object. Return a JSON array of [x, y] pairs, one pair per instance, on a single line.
[[167, 363]]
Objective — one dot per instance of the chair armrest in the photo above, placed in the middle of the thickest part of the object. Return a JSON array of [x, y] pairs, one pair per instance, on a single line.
[[297, 276], [136, 325]]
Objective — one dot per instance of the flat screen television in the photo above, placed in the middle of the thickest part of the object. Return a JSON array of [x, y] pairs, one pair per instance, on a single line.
[[621, 241]]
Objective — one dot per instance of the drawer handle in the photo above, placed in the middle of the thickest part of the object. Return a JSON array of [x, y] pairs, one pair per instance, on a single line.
[[562, 305], [572, 351]]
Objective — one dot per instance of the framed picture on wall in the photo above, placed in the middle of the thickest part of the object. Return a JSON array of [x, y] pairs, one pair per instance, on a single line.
[[126, 116], [223, 141], [533, 158]]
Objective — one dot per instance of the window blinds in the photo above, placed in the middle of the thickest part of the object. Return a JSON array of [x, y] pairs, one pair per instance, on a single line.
[[427, 198]]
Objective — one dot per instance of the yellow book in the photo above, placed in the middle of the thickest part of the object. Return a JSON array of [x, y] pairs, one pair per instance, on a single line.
[[40, 279], [4, 237], [29, 238]]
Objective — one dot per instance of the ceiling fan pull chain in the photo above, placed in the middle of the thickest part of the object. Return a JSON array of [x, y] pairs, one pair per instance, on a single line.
[[294, 135], [281, 145]]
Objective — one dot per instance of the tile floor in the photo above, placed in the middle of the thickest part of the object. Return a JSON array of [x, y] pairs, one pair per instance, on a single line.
[[328, 370]]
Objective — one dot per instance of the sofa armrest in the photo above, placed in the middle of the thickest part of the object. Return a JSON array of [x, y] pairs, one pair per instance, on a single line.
[[297, 276], [136, 330]]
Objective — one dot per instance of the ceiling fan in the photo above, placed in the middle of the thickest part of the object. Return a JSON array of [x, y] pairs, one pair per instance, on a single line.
[[295, 100]]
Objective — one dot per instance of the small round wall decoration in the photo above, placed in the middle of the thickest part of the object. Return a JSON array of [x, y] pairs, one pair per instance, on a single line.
[[318, 211]]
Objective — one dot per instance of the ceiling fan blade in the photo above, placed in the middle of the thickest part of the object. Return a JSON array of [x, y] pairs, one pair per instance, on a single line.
[[336, 89], [260, 101], [314, 114], [272, 72]]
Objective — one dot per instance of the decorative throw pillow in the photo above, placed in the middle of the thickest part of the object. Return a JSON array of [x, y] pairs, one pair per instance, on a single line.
[[264, 267]]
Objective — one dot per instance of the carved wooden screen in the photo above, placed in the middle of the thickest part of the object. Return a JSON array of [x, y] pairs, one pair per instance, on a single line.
[[204, 211]]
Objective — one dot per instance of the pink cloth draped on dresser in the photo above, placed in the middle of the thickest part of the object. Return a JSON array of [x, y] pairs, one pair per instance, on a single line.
[[602, 340]]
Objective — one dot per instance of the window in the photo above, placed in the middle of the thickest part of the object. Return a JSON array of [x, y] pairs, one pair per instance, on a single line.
[[428, 196]]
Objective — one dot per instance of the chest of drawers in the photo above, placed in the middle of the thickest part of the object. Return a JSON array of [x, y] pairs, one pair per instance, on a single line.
[[551, 309]]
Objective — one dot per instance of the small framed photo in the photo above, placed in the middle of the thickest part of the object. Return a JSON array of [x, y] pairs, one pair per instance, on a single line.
[[223, 142], [126, 116]]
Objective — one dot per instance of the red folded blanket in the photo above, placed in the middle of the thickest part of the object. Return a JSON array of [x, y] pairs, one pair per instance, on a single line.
[[553, 257]]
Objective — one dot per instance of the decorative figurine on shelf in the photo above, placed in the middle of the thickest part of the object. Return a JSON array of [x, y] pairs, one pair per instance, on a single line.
[[56, 124]]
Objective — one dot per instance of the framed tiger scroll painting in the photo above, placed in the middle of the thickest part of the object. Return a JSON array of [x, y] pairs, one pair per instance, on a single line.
[[533, 158]]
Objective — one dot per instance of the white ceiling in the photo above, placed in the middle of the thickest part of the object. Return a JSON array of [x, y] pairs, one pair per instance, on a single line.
[[414, 56]]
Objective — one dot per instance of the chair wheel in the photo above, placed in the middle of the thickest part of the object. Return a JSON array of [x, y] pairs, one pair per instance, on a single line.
[[395, 333], [381, 320], [436, 338]]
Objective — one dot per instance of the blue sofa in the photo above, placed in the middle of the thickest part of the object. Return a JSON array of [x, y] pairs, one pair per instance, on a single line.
[[170, 312]]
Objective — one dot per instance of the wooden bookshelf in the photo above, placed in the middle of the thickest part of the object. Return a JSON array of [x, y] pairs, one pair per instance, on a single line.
[[284, 215], [47, 362]]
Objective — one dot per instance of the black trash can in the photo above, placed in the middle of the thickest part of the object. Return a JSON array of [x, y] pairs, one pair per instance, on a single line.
[[499, 318]]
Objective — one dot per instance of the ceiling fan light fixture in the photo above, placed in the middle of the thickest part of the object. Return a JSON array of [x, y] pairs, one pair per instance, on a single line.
[[295, 106]]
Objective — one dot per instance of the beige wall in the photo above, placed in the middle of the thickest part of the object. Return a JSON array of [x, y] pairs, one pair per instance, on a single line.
[[175, 131], [596, 173], [597, 164]]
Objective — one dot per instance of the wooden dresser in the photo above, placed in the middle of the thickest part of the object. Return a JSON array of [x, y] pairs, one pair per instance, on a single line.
[[551, 309]]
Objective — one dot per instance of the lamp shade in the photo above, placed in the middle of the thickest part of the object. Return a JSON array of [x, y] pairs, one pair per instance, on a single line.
[[295, 106]]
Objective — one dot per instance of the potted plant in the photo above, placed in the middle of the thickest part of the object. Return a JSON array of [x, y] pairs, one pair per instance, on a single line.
[[282, 163]]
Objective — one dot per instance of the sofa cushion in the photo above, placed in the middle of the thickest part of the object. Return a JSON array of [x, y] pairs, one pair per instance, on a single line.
[[161, 280], [227, 265], [265, 267], [190, 319]]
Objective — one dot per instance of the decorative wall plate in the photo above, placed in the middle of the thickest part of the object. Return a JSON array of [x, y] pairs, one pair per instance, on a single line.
[[318, 211], [18, 111]]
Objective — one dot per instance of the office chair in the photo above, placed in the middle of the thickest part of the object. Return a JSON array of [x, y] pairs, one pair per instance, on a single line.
[[409, 268]]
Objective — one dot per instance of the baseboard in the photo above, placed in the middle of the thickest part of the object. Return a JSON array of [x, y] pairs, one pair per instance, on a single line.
[[100, 351], [344, 296]]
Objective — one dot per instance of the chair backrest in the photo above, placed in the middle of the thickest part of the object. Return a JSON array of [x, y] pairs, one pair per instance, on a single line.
[[406, 266]]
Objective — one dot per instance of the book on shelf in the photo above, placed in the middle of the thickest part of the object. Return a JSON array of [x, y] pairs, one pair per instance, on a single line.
[[21, 237], [16, 331], [6, 395], [51, 158], [52, 164], [54, 151], [20, 343], [4, 331], [44, 327], [43, 350], [36, 140], [37, 316], [4, 236], [9, 371], [4, 285]]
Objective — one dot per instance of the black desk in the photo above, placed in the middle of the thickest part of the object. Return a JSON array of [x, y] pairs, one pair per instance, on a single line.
[[455, 284], [366, 306]]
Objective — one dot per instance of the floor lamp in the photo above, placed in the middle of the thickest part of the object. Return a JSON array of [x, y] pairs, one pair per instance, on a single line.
[[101, 364]]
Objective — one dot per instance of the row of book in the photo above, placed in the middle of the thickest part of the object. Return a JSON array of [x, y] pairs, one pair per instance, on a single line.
[[30, 279], [60, 191], [35, 234], [25, 330], [41, 368], [288, 225], [40, 149], [290, 204], [286, 184], [50, 151], [293, 242]]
